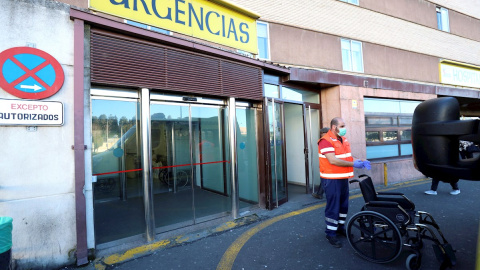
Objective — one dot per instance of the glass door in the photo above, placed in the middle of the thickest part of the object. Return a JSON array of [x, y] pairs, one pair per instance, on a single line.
[[171, 164], [276, 152], [118, 190], [210, 161], [190, 172], [312, 115], [247, 156]]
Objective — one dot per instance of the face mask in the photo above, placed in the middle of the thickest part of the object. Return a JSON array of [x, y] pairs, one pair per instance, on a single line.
[[342, 131]]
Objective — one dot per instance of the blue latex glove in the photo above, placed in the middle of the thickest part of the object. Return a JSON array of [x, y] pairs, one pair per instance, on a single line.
[[358, 164], [366, 165]]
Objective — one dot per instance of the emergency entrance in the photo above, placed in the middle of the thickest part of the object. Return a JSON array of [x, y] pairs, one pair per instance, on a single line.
[[293, 118], [189, 180]]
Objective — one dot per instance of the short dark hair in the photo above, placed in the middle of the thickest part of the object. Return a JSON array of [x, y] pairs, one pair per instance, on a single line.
[[334, 121]]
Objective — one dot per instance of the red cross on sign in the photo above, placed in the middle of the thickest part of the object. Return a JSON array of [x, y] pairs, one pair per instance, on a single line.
[[30, 73]]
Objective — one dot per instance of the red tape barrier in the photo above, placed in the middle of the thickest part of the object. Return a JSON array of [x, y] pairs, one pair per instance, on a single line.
[[164, 167]]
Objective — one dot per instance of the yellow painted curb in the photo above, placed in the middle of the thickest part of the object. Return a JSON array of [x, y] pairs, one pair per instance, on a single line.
[[102, 263]]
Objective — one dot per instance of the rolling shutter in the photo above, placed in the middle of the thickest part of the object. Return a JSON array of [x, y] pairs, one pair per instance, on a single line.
[[118, 60]]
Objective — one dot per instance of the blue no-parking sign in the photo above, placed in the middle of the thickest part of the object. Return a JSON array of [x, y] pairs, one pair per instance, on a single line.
[[30, 73]]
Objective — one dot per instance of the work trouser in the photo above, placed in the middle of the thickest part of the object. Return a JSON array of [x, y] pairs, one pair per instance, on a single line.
[[336, 191]]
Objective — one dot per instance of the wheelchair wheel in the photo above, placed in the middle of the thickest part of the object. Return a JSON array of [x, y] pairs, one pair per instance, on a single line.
[[413, 262], [374, 237], [182, 178]]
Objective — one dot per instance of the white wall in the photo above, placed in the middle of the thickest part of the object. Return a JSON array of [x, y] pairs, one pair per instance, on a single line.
[[37, 168]]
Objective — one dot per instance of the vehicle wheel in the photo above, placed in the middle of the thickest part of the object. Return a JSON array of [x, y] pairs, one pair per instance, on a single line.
[[413, 262], [374, 237]]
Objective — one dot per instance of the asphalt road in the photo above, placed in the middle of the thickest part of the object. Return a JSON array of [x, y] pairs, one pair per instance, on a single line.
[[286, 239]]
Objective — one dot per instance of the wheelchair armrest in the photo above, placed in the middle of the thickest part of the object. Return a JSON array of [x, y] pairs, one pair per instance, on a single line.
[[390, 193], [385, 204]]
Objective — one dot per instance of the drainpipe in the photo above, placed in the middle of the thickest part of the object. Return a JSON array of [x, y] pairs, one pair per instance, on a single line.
[[233, 155]]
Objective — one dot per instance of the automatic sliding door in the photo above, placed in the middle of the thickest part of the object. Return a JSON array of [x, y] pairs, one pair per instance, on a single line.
[[172, 185], [211, 185], [190, 178]]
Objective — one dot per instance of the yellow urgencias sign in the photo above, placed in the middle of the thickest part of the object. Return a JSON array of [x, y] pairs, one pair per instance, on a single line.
[[198, 18]]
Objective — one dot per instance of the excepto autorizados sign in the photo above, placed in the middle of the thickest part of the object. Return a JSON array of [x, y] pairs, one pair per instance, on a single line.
[[197, 18], [15, 112]]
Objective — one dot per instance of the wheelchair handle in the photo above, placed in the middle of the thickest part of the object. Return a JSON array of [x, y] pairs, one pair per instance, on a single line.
[[358, 181]]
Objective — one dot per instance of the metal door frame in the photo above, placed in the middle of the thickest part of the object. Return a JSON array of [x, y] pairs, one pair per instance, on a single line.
[[308, 138], [272, 204]]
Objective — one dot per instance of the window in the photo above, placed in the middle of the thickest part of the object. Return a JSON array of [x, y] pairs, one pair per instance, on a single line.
[[287, 93], [388, 127], [300, 95], [352, 58], [355, 2], [442, 19], [271, 90], [263, 45], [144, 26]]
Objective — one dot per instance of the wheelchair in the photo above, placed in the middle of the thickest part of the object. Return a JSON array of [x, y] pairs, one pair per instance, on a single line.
[[388, 222]]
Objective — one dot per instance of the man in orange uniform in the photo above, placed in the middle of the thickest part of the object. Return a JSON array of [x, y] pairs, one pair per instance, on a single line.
[[336, 167]]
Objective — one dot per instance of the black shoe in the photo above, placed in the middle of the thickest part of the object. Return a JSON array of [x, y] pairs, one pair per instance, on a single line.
[[342, 232], [334, 241], [315, 195]]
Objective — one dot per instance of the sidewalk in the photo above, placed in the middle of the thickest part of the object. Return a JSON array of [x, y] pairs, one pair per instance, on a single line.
[[295, 226]]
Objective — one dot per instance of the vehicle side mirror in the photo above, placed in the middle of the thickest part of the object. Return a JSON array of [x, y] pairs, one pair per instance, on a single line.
[[436, 132]]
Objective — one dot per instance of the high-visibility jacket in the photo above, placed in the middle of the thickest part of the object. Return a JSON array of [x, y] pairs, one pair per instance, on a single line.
[[342, 151]]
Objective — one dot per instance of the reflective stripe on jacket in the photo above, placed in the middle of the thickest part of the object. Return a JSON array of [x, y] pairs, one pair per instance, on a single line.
[[342, 151]]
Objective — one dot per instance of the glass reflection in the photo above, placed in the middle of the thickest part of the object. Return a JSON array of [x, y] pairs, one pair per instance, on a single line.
[[372, 136], [172, 185], [314, 136], [247, 155], [390, 136], [276, 151], [210, 161], [406, 135], [118, 192]]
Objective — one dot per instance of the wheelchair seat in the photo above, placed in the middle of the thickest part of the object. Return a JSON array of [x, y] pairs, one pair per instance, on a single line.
[[394, 205], [369, 194]]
